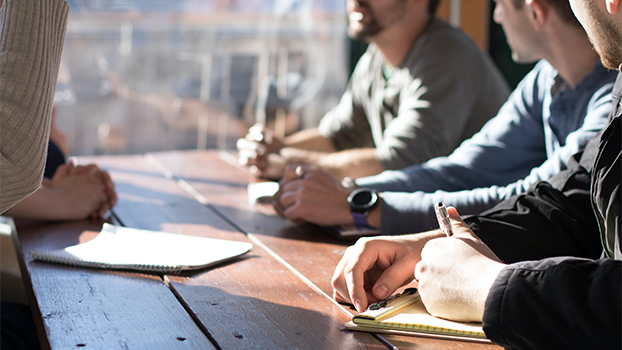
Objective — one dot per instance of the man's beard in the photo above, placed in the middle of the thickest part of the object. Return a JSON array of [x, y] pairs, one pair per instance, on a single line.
[[608, 43], [363, 31], [379, 21]]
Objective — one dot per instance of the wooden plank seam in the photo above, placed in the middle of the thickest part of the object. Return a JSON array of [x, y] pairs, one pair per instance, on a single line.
[[201, 199]]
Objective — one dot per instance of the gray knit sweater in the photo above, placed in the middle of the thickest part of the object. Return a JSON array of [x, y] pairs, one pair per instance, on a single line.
[[32, 34]]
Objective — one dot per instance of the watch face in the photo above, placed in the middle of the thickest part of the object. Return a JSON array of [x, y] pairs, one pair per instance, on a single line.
[[362, 199]]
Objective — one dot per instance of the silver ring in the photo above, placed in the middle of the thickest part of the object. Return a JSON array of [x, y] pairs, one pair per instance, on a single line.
[[300, 172]]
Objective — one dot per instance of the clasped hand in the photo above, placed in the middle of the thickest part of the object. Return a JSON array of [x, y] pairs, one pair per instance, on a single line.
[[259, 150], [315, 197], [454, 274], [84, 191]]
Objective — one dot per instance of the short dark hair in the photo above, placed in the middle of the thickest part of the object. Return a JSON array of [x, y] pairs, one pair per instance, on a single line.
[[562, 7], [432, 6]]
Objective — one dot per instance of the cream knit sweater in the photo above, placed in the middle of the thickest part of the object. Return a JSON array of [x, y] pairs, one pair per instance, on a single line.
[[32, 34]]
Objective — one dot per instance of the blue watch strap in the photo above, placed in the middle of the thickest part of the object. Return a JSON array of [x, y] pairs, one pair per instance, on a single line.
[[360, 220]]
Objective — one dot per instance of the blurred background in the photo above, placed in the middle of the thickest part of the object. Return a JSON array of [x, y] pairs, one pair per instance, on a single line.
[[154, 75]]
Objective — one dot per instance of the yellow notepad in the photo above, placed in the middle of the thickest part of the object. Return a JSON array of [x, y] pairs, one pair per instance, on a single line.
[[143, 250], [406, 313]]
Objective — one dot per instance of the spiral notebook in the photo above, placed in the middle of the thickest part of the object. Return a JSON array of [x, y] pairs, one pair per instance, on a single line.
[[117, 247], [405, 314]]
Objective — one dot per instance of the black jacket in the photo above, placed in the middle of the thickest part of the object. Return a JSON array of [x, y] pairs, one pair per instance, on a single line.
[[562, 289]]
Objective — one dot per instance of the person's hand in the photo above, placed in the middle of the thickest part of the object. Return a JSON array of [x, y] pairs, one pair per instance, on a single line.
[[315, 197], [259, 150], [82, 191], [455, 274], [374, 268]]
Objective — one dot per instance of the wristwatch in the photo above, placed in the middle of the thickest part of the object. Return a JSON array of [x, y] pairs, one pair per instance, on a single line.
[[362, 201]]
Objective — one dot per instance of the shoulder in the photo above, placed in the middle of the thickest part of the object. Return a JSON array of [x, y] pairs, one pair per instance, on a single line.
[[368, 63], [443, 40], [442, 47]]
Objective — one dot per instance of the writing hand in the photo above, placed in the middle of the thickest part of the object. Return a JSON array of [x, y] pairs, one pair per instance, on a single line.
[[259, 150], [373, 268], [455, 274], [317, 197]]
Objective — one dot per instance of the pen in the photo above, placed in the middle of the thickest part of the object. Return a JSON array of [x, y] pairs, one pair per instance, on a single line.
[[443, 219]]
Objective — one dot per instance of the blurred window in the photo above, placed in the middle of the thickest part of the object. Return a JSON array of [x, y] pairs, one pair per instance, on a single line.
[[153, 75]]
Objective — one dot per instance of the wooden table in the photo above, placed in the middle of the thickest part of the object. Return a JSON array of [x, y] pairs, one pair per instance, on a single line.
[[275, 297]]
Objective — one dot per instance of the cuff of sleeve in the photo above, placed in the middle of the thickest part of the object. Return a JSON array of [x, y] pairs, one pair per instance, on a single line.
[[493, 309]]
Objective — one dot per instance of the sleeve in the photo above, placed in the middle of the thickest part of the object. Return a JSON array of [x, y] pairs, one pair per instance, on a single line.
[[31, 43], [556, 303], [551, 219], [346, 125], [404, 212], [551, 296], [515, 133]]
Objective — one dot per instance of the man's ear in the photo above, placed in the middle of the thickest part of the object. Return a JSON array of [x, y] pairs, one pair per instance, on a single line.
[[613, 6], [538, 12]]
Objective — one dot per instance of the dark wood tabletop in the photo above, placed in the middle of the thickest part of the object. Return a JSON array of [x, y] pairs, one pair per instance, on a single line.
[[278, 296]]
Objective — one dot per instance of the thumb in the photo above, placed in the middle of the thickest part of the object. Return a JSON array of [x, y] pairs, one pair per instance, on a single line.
[[463, 231], [458, 226], [394, 277]]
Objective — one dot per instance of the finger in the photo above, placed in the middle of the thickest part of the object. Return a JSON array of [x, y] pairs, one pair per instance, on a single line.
[[248, 145], [252, 157], [395, 276], [243, 160], [254, 170], [261, 162], [292, 212], [276, 201], [102, 210], [358, 264], [64, 169], [92, 169], [241, 144], [355, 282], [278, 207], [256, 133], [338, 297], [289, 194], [338, 282], [73, 160], [109, 188], [290, 172]]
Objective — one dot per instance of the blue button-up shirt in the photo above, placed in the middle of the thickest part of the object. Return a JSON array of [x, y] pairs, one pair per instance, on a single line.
[[543, 123]]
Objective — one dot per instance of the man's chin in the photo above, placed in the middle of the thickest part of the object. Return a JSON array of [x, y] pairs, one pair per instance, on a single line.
[[362, 33], [522, 60]]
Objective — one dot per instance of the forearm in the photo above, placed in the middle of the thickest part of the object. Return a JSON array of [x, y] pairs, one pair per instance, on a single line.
[[43, 204], [310, 140], [353, 163], [31, 43], [405, 212]]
